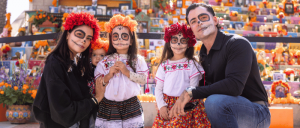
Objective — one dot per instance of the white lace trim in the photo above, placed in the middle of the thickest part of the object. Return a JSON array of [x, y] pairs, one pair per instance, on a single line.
[[135, 122]]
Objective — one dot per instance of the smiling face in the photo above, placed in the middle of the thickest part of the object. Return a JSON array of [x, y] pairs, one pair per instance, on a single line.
[[178, 44], [80, 39], [202, 22], [97, 55], [121, 38]]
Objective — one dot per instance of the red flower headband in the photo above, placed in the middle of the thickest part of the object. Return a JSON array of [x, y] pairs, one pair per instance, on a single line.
[[100, 43], [175, 29], [82, 18]]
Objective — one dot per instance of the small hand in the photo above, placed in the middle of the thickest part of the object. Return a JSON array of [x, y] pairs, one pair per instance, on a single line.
[[113, 70], [121, 66]]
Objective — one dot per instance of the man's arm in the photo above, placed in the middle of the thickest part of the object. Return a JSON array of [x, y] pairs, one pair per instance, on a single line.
[[239, 62]]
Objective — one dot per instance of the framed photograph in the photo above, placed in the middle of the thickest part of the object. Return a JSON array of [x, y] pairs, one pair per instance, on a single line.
[[175, 20], [289, 8], [94, 2], [179, 3], [108, 12], [188, 3], [124, 7], [238, 26], [91, 9], [114, 11], [278, 76], [101, 10], [128, 12], [142, 27], [141, 43], [177, 11], [183, 11], [80, 8]]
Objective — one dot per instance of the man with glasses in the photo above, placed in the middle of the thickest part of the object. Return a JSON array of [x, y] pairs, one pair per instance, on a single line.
[[236, 97]]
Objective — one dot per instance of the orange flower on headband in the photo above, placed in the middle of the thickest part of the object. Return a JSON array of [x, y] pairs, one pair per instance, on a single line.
[[120, 20], [100, 43]]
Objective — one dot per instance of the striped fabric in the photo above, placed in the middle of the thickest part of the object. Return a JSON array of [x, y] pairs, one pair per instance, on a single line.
[[123, 110]]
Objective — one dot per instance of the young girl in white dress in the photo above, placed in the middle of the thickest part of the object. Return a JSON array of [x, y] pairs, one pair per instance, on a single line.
[[124, 71], [178, 70]]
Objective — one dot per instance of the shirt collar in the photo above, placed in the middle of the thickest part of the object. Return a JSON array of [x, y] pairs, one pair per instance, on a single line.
[[217, 44]]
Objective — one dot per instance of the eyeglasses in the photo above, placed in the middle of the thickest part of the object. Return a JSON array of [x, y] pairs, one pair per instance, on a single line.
[[124, 36], [174, 40]]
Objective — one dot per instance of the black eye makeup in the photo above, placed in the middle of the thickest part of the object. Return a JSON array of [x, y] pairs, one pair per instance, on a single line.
[[79, 33], [174, 40], [124, 36], [203, 17]]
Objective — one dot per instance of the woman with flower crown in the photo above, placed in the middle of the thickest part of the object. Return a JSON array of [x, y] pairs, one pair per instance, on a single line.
[[63, 98], [124, 71]]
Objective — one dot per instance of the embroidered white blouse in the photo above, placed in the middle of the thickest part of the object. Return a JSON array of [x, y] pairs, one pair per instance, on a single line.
[[173, 77], [120, 87]]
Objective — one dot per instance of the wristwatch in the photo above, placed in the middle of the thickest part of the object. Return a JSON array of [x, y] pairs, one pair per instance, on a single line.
[[189, 91]]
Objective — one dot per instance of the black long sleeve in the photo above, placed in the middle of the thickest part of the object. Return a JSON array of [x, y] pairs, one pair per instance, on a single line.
[[62, 95], [230, 69]]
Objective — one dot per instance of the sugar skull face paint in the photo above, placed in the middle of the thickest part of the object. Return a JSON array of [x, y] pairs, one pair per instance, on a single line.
[[80, 39], [202, 22], [178, 44], [120, 38]]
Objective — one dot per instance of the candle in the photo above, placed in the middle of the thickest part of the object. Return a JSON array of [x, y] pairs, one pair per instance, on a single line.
[[292, 77], [242, 18], [224, 17], [265, 19], [296, 28]]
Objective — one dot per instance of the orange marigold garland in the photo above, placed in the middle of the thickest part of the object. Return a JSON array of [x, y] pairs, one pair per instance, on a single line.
[[117, 20], [284, 84], [100, 43], [82, 18]]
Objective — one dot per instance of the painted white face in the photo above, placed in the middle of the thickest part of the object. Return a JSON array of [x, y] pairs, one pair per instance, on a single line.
[[202, 22], [120, 38], [80, 39], [178, 44]]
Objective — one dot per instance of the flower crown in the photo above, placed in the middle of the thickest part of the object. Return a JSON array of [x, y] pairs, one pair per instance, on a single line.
[[100, 43], [120, 20], [175, 29], [82, 18]]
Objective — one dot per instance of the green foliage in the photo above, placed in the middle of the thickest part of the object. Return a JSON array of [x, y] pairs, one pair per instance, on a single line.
[[15, 97]]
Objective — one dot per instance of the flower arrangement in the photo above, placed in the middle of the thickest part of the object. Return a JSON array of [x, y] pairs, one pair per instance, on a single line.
[[175, 29], [252, 8], [249, 24], [101, 25], [120, 20], [41, 17], [5, 49], [289, 99], [15, 90], [233, 13], [40, 48]]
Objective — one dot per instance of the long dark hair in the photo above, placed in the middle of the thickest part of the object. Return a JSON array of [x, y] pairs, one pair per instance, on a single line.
[[132, 51], [168, 53], [62, 52]]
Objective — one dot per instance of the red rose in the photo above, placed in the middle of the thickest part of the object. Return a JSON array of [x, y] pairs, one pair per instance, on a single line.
[[17, 63], [165, 68], [7, 49], [106, 65]]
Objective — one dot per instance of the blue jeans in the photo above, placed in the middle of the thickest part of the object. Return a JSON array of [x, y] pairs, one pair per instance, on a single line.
[[226, 111]]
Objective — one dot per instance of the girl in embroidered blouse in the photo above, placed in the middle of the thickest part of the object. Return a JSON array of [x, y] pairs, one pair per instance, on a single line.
[[124, 71], [178, 70], [98, 51]]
